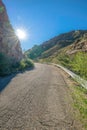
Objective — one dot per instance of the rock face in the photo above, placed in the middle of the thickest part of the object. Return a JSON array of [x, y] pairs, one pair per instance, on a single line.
[[80, 46], [9, 43]]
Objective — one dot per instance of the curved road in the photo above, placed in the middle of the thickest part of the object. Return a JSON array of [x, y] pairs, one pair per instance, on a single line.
[[36, 100]]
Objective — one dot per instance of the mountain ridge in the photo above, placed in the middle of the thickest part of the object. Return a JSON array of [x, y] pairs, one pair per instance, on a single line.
[[56, 43]]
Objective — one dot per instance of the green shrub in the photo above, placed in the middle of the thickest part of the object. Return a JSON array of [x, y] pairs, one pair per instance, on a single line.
[[8, 65], [34, 52], [25, 64], [22, 65], [1, 9], [5, 65]]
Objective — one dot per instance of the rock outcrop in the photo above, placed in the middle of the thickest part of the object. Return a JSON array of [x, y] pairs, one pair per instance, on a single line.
[[80, 46], [9, 42]]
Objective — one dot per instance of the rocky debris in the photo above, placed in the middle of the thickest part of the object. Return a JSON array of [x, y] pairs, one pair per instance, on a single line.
[[9, 42], [79, 45]]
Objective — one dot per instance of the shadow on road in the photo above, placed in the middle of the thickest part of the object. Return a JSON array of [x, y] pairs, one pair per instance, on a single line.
[[4, 81]]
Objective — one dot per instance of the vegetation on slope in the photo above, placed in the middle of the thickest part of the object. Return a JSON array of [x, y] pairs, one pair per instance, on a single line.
[[79, 95], [25, 64], [69, 49], [5, 65], [79, 64], [8, 66], [34, 52], [76, 63]]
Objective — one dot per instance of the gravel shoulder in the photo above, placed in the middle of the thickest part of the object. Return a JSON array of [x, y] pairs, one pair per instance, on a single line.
[[36, 100]]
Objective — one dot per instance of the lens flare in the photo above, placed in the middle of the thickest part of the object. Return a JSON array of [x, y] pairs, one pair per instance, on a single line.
[[21, 34]]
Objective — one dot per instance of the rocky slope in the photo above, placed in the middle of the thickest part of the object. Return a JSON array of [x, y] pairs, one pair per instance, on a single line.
[[78, 46], [9, 43], [77, 40]]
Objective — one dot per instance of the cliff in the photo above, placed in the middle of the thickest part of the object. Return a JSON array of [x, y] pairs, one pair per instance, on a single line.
[[9, 42]]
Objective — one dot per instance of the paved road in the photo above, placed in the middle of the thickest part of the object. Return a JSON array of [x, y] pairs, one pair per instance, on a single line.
[[36, 100]]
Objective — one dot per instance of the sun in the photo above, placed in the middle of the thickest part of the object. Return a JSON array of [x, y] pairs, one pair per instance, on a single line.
[[21, 34]]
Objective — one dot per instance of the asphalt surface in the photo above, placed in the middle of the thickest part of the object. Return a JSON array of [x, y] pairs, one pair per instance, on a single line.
[[36, 100]]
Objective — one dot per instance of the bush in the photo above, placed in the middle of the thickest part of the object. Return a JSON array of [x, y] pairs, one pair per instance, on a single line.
[[25, 64], [8, 66], [22, 65]]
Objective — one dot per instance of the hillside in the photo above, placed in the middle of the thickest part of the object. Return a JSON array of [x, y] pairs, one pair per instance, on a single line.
[[51, 46], [73, 56], [68, 49]]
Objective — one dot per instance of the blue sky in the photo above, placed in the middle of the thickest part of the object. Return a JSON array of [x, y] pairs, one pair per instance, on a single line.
[[44, 19]]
